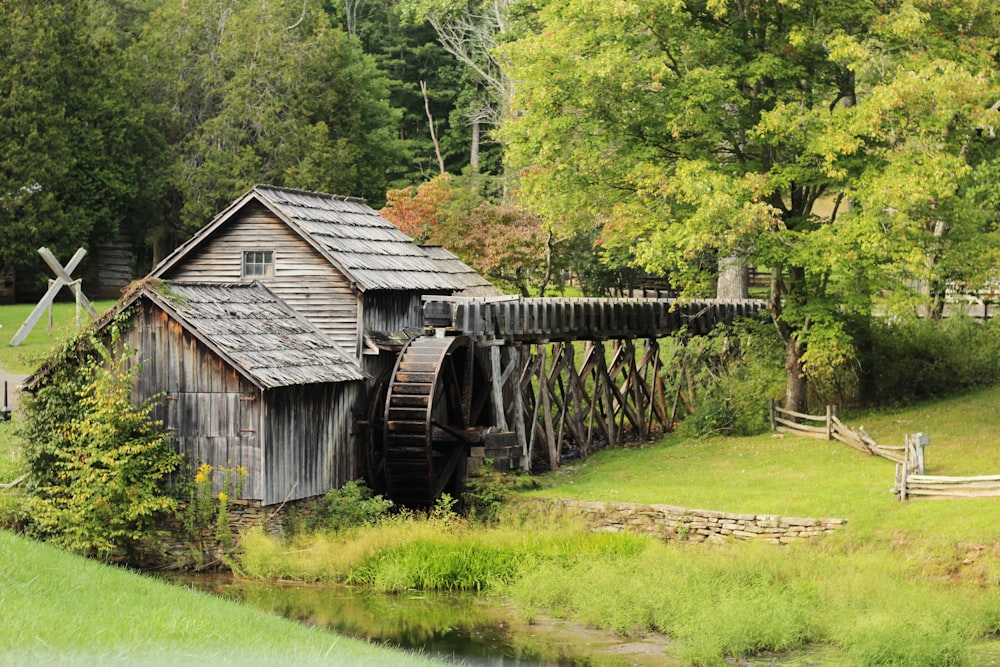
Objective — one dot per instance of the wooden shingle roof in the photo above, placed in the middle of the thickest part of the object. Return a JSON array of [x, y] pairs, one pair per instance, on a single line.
[[257, 333], [363, 245], [246, 325]]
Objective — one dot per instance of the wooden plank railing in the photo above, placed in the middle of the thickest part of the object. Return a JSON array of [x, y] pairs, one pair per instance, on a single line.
[[830, 428], [911, 480]]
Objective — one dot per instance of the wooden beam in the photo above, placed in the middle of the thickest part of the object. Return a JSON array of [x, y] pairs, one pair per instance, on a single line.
[[49, 296], [64, 274]]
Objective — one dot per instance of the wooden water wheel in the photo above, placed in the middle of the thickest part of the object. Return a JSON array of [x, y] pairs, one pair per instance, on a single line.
[[428, 411]]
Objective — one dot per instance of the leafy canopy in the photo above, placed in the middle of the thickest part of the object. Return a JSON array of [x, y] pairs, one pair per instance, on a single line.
[[250, 92], [838, 144]]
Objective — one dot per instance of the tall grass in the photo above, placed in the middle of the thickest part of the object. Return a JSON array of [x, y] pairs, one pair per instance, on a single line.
[[63, 609], [735, 601], [424, 553], [718, 603], [901, 584]]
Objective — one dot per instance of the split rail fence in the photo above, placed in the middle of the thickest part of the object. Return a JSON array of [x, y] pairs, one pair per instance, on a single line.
[[829, 427], [912, 482]]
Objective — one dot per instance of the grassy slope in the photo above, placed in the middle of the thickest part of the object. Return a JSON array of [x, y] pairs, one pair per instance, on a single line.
[[61, 608], [797, 476]]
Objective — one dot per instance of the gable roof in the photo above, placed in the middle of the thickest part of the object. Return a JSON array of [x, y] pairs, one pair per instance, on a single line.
[[352, 236], [257, 333], [246, 325]]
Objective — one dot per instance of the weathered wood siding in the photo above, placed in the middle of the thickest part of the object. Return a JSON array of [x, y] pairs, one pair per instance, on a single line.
[[309, 447], [110, 268], [392, 310], [302, 277], [214, 412], [388, 311]]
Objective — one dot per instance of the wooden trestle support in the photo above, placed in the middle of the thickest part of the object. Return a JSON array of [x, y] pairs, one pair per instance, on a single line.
[[563, 376]]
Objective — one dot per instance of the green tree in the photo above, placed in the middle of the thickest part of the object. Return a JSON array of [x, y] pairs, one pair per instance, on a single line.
[[409, 54], [471, 31], [66, 176], [835, 143], [249, 92]]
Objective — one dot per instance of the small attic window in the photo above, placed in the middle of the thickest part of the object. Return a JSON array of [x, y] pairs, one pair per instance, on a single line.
[[258, 264]]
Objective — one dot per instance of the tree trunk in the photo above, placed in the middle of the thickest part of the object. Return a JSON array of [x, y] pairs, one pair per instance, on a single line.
[[474, 152], [430, 123], [734, 278], [795, 382]]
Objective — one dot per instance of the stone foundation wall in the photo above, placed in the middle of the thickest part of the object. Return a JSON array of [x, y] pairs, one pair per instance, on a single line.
[[176, 549], [669, 522]]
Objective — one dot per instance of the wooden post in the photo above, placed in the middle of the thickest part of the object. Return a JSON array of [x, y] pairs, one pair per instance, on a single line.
[[920, 440], [49, 311], [546, 401], [497, 388], [829, 423], [905, 468], [515, 361], [774, 424], [78, 293]]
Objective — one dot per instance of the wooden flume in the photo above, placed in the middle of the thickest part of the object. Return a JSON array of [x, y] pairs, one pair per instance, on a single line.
[[524, 383]]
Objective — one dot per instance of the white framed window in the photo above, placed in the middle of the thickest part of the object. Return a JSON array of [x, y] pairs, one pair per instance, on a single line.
[[258, 264]]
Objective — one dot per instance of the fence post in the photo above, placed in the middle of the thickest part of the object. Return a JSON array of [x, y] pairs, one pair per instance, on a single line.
[[920, 440], [905, 467], [774, 425], [829, 423]]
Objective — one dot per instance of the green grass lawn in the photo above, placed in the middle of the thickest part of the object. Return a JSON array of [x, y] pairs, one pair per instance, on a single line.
[[799, 476], [63, 609], [24, 357]]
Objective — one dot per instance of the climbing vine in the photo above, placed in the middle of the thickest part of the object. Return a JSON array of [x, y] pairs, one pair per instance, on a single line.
[[98, 464]]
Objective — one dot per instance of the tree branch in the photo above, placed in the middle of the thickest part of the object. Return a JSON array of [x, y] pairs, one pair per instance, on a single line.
[[430, 121]]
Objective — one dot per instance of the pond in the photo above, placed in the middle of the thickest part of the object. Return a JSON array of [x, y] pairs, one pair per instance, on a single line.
[[460, 627], [478, 630]]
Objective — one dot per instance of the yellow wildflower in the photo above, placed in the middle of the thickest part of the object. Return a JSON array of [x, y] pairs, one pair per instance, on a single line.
[[223, 497], [204, 474]]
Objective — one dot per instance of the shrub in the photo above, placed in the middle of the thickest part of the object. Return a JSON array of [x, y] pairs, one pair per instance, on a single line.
[[350, 506], [906, 360], [98, 465], [485, 494], [725, 378]]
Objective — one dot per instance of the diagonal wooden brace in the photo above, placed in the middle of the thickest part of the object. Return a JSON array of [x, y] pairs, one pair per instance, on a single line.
[[62, 279], [64, 275]]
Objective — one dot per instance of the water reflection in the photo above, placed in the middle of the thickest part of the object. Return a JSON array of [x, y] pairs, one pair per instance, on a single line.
[[483, 631], [459, 627]]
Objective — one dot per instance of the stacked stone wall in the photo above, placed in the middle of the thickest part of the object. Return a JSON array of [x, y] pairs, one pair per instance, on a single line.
[[175, 549], [669, 522]]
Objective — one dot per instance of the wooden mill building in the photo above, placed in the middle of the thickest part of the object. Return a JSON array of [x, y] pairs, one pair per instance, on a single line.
[[264, 331]]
